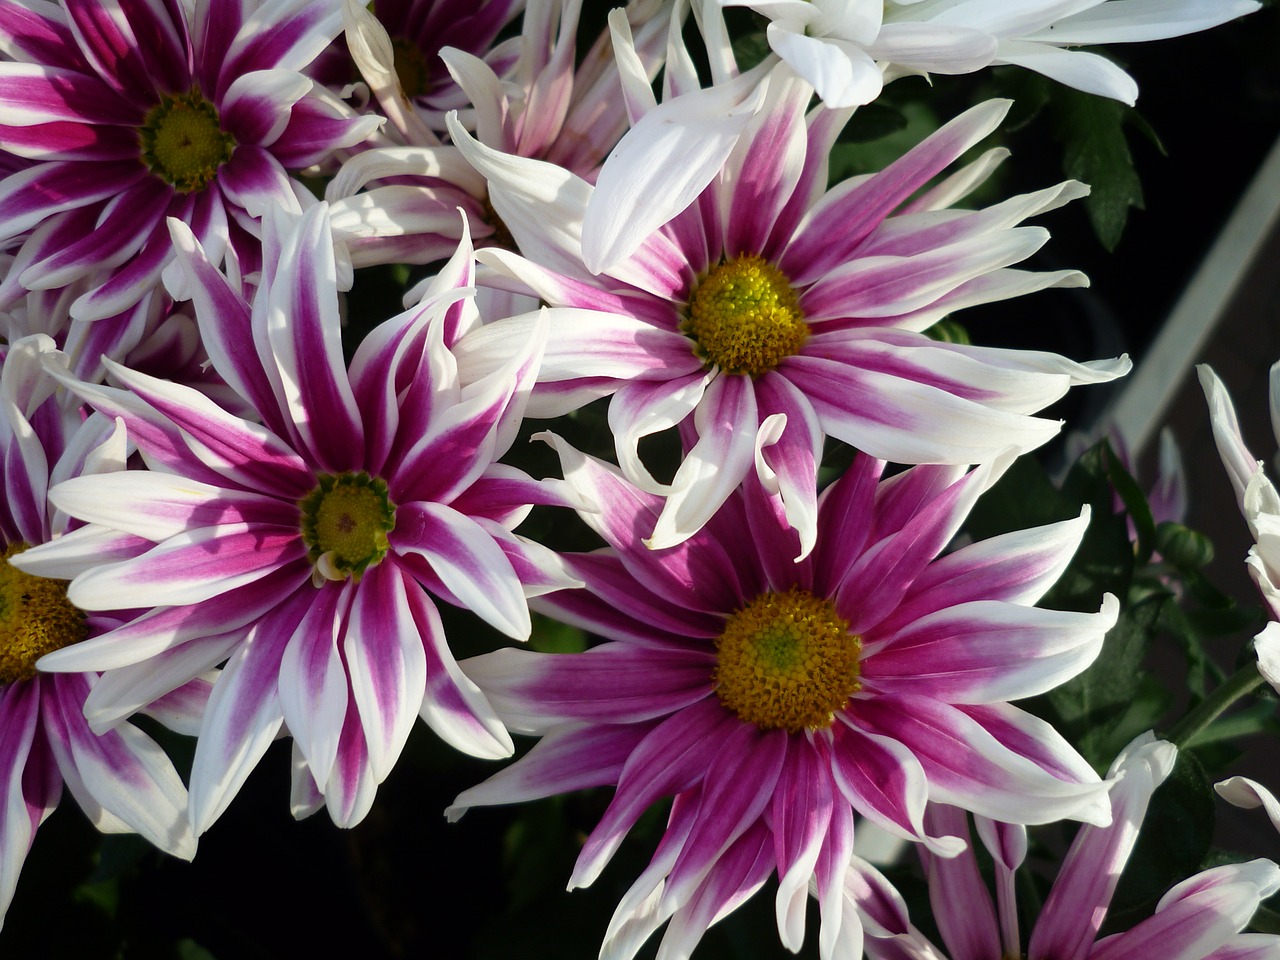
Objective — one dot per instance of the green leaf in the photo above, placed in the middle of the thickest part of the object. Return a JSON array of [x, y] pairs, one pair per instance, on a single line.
[[1265, 920], [1095, 151], [1134, 500], [1094, 707], [190, 950]]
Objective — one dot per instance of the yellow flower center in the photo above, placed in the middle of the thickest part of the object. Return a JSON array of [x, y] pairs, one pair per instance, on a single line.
[[787, 661], [411, 67], [744, 317], [35, 618], [183, 143], [345, 522]]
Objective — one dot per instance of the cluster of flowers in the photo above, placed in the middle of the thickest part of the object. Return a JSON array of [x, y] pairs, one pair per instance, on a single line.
[[213, 518]]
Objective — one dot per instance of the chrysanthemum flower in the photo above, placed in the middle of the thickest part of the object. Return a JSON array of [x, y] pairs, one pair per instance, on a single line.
[[122, 779], [774, 699], [399, 203], [137, 111], [771, 311], [845, 48], [1199, 919], [1259, 502], [305, 550]]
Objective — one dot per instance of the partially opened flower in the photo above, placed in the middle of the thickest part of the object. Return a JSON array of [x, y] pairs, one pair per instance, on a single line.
[[1198, 919], [137, 111], [122, 779], [771, 300], [774, 699], [305, 550], [848, 48], [1259, 502]]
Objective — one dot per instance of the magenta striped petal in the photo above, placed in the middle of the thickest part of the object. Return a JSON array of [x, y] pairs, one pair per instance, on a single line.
[[287, 35], [1015, 567], [124, 226], [847, 516], [36, 36], [467, 560], [454, 707], [736, 789], [987, 651], [878, 581], [318, 125], [244, 713], [672, 758], [254, 180], [962, 906], [788, 455], [32, 195], [967, 766], [386, 664], [843, 219], [35, 94], [190, 567], [883, 781], [769, 159], [139, 47], [241, 452], [225, 325], [22, 773], [736, 874], [567, 758], [256, 107], [313, 679], [1189, 929], [158, 506], [614, 683], [122, 770], [802, 805], [695, 575], [349, 792], [305, 335], [726, 423], [643, 407], [69, 140]]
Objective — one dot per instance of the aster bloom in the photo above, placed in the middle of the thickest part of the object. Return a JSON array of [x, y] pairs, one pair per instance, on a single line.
[[305, 550], [1198, 919], [769, 312], [774, 699], [1259, 502], [399, 203], [138, 111], [848, 48], [122, 780]]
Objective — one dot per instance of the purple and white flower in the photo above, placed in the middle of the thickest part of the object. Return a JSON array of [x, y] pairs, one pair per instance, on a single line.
[[770, 312], [122, 779], [137, 111], [305, 550], [1259, 502], [1198, 919], [848, 49], [774, 699]]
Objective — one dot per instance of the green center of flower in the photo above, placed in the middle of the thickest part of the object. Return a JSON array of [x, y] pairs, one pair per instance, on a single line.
[[35, 618], [183, 143], [744, 317], [787, 661], [411, 67], [345, 522]]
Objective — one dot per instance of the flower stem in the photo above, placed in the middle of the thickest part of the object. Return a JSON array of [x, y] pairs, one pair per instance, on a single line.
[[1240, 684]]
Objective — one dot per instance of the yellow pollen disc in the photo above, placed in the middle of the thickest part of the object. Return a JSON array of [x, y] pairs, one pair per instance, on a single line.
[[346, 519], [183, 143], [787, 661], [35, 618], [411, 67], [744, 317]]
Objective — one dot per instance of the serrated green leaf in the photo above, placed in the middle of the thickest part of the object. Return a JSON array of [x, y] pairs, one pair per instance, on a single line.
[[948, 330], [1095, 151]]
